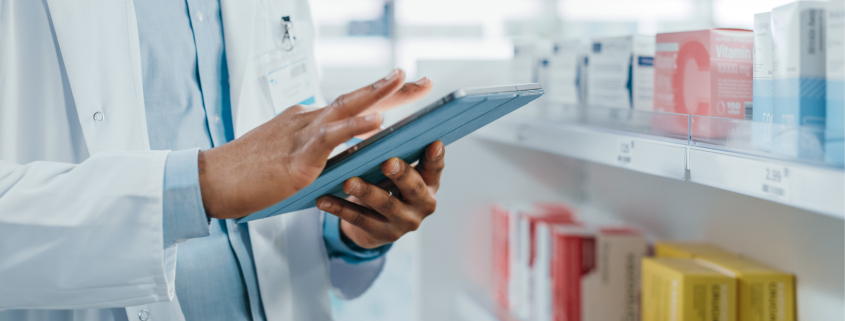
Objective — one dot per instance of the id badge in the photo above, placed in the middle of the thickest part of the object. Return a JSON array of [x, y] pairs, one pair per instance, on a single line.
[[289, 78]]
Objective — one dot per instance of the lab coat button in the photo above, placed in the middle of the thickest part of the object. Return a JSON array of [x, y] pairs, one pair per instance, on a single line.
[[144, 315], [216, 119], [200, 16], [98, 116]]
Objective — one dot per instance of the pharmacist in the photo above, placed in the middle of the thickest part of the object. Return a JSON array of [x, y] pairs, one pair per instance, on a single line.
[[132, 133]]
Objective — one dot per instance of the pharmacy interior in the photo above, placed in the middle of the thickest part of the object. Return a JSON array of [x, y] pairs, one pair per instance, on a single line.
[[684, 163]]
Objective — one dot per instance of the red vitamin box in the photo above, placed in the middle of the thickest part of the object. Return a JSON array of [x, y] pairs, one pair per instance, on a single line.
[[705, 72]]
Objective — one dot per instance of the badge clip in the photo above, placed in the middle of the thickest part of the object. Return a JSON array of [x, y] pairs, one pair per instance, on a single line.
[[287, 38]]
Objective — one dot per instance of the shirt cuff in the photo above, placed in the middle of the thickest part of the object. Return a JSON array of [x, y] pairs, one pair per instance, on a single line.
[[340, 247], [183, 213]]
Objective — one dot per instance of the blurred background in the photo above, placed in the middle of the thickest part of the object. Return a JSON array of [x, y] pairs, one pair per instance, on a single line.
[[439, 272]]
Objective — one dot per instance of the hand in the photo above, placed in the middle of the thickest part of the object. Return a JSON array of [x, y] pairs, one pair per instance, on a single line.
[[372, 216], [277, 159]]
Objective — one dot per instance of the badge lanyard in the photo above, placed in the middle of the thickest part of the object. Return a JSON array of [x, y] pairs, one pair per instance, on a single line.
[[288, 70], [287, 38]]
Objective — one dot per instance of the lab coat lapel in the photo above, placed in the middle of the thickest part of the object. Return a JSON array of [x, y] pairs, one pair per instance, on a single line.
[[98, 40], [239, 19]]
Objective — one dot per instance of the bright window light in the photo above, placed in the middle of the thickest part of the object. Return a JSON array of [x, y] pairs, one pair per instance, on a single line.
[[625, 10], [740, 13], [463, 11], [334, 12]]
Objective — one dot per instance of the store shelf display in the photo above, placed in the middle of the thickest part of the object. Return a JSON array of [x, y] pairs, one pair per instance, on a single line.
[[725, 155], [573, 266]]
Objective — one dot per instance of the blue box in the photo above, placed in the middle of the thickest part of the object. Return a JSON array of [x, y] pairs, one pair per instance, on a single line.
[[834, 145]]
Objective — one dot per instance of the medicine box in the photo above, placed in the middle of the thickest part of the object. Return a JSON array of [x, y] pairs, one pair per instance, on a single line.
[[504, 221], [621, 72], [688, 250], [707, 73], [527, 244], [763, 110], [677, 289], [763, 292], [587, 273], [561, 83], [835, 109], [798, 73]]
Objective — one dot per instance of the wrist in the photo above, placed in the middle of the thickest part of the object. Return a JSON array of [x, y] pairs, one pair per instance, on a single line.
[[209, 187]]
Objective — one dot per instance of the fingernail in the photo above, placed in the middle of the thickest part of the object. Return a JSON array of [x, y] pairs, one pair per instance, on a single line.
[[392, 75], [355, 187], [395, 168], [439, 152], [325, 204], [371, 117], [422, 81]]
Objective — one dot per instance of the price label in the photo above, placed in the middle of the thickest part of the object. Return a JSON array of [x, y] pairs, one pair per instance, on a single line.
[[625, 154], [775, 183]]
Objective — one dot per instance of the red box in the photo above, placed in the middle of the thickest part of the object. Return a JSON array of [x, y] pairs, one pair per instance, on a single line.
[[705, 72], [573, 257], [503, 221]]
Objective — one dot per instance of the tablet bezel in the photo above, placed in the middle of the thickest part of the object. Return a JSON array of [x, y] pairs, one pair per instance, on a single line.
[[346, 154]]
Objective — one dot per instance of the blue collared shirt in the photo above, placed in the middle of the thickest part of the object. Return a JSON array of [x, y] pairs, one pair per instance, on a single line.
[[186, 93]]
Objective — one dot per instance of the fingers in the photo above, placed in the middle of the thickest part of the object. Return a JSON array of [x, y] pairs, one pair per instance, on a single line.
[[373, 196], [432, 163], [409, 93], [409, 182], [333, 134], [359, 101], [355, 214], [404, 215]]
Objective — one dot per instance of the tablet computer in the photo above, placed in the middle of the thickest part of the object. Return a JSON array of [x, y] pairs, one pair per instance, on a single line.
[[448, 119]]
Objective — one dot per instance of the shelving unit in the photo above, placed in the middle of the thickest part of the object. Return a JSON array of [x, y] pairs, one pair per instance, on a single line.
[[640, 154], [720, 153], [687, 178]]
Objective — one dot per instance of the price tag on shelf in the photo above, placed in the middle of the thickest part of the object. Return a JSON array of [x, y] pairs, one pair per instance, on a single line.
[[775, 183], [625, 154]]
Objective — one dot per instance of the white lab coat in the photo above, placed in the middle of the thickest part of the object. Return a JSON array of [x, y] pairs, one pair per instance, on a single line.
[[85, 232]]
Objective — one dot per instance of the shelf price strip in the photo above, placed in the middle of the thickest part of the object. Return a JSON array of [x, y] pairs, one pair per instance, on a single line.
[[775, 184]]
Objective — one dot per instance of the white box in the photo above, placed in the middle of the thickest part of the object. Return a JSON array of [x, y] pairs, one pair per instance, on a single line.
[[763, 67], [527, 259], [561, 82], [582, 72], [835, 109], [798, 63], [505, 280], [613, 291], [621, 72], [528, 54], [763, 109], [606, 267]]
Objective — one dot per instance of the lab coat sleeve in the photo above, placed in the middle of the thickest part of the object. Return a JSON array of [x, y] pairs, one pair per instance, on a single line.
[[352, 270], [81, 236]]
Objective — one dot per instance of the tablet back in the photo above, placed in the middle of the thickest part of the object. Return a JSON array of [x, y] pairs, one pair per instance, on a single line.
[[447, 120]]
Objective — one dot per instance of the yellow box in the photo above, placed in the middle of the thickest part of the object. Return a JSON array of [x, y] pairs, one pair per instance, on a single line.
[[764, 293], [677, 289], [687, 250]]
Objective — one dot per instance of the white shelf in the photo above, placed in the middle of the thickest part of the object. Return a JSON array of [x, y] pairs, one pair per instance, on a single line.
[[814, 188], [591, 144], [808, 185]]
